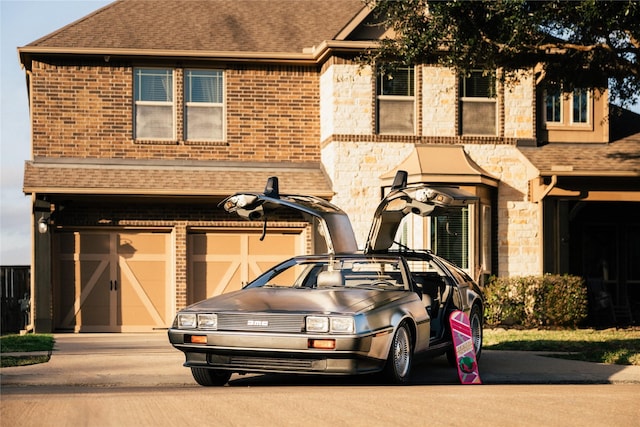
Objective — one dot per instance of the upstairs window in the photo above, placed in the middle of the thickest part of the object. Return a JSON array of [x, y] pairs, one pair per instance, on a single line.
[[478, 104], [580, 104], [204, 105], [396, 101], [553, 104], [154, 104], [563, 109]]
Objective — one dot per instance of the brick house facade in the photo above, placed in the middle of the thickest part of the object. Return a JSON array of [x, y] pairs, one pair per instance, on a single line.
[[133, 229]]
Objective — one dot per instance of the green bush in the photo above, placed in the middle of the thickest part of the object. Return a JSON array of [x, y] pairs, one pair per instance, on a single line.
[[533, 301]]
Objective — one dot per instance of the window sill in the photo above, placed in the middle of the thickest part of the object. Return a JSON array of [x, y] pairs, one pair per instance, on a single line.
[[207, 143], [580, 127], [155, 141]]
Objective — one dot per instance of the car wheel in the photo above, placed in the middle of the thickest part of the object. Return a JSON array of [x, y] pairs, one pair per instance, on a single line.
[[398, 367], [210, 377], [475, 320]]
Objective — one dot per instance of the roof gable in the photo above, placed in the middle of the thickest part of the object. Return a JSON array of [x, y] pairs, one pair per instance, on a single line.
[[285, 26]]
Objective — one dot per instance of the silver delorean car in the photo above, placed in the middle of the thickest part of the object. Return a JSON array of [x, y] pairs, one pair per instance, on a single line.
[[346, 312]]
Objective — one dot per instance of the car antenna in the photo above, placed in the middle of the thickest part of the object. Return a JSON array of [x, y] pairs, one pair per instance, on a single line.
[[270, 190]]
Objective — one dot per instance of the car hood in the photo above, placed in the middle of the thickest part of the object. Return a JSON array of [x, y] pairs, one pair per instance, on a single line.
[[298, 300], [402, 200]]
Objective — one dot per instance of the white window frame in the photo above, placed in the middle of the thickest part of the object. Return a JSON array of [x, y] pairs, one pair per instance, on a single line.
[[587, 113], [192, 104], [142, 103], [381, 98]]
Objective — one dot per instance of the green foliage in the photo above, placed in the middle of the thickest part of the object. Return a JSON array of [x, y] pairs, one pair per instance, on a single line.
[[577, 44], [26, 343], [533, 301]]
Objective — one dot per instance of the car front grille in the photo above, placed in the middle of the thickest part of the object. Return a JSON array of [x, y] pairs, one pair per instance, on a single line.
[[260, 322], [267, 364], [272, 363]]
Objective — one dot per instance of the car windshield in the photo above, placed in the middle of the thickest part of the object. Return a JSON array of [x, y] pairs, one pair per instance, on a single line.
[[336, 272]]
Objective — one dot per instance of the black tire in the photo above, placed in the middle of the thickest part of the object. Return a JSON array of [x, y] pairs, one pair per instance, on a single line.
[[476, 322], [398, 367], [210, 377]]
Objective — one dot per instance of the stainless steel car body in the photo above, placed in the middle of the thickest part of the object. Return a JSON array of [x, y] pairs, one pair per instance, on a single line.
[[263, 328], [390, 316]]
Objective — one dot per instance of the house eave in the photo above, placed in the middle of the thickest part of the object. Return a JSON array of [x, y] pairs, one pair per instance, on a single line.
[[311, 56]]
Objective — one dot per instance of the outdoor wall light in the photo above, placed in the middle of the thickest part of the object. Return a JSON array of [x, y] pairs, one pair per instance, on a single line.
[[43, 225]]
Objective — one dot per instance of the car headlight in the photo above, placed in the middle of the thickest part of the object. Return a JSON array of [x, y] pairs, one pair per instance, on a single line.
[[317, 324], [186, 320], [208, 321], [342, 325], [339, 325]]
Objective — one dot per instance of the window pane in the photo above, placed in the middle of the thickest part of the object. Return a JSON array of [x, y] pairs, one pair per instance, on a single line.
[[395, 116], [553, 105], [153, 121], [478, 118], [154, 85], [580, 106], [203, 86], [398, 83], [450, 237], [396, 103], [204, 123], [478, 85]]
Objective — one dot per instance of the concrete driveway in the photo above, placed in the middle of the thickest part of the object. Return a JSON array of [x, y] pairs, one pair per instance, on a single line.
[[147, 359]]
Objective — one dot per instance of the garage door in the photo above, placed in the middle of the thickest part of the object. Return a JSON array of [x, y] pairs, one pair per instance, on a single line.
[[224, 261], [113, 282]]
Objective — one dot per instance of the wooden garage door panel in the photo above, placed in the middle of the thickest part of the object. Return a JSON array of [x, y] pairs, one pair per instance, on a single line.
[[223, 262], [113, 281], [91, 293], [272, 245]]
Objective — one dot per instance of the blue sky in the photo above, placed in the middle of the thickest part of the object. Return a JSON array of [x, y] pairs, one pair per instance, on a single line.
[[22, 22]]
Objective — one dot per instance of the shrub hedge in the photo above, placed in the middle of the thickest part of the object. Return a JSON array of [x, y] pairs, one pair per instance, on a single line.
[[533, 301]]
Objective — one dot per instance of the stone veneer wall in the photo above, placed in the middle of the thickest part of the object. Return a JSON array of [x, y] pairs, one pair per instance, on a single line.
[[519, 241], [355, 169], [519, 108], [346, 100], [438, 101], [355, 166]]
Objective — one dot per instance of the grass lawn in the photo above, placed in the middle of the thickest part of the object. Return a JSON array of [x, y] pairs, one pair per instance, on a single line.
[[25, 344], [613, 346]]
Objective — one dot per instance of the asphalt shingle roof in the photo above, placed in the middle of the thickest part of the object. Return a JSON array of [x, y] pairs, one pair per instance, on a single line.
[[207, 25], [621, 157], [211, 179]]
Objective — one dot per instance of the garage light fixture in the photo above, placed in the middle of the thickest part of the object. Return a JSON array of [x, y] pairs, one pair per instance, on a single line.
[[43, 225]]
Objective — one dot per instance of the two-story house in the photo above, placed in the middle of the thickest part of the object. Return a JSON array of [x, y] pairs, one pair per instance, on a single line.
[[145, 116]]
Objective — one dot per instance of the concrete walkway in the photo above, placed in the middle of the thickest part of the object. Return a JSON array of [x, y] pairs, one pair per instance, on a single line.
[[148, 360]]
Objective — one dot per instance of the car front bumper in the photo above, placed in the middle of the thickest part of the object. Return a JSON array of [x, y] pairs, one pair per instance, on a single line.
[[283, 353]]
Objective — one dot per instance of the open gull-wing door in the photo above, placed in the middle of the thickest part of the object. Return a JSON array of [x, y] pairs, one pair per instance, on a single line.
[[334, 224], [420, 199]]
